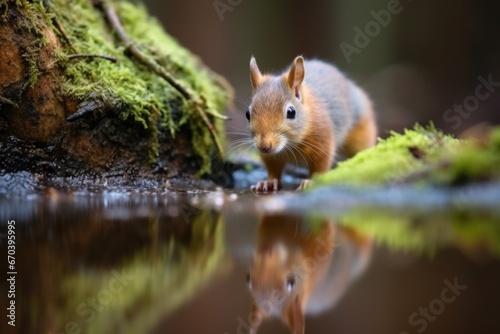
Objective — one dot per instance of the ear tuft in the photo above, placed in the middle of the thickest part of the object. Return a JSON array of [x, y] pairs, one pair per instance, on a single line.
[[255, 75]]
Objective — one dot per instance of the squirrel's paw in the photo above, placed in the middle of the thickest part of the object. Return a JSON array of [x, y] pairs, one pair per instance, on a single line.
[[266, 186], [304, 184]]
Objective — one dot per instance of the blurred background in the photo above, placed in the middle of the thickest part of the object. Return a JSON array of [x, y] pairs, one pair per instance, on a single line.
[[417, 63]]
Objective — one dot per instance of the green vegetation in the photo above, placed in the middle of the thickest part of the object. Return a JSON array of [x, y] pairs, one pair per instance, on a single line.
[[154, 281], [427, 232], [126, 86], [420, 156]]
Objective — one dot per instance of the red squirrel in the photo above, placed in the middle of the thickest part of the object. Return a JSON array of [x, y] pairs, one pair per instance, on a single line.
[[296, 271], [305, 116]]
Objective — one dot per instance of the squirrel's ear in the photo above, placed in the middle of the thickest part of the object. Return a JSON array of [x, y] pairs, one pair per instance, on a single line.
[[295, 316], [255, 75], [296, 75]]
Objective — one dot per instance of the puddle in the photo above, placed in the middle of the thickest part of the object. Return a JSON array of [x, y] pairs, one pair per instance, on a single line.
[[217, 262]]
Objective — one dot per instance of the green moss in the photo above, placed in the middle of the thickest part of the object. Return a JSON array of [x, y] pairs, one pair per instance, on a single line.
[[178, 61], [160, 280], [425, 232], [33, 69], [473, 232], [397, 231], [127, 85], [34, 17], [471, 162], [422, 156], [391, 159]]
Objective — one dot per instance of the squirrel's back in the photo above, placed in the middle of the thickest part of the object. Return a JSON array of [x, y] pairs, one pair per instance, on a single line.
[[343, 100]]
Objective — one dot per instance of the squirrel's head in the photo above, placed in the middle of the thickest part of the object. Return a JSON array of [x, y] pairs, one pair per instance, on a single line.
[[276, 115], [276, 286]]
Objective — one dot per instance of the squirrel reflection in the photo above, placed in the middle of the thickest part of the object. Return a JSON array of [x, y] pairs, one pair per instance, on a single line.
[[301, 268]]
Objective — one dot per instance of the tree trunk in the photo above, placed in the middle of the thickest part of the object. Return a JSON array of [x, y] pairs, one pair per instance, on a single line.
[[99, 89]]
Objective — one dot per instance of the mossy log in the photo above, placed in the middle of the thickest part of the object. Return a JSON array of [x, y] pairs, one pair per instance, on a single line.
[[421, 156], [97, 88]]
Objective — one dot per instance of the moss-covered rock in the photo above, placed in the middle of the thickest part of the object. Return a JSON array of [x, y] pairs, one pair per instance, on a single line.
[[422, 155], [65, 62]]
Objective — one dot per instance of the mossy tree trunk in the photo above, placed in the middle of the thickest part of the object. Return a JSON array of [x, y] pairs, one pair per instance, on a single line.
[[97, 88]]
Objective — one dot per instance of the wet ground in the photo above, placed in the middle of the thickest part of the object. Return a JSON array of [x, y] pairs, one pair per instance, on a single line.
[[179, 261]]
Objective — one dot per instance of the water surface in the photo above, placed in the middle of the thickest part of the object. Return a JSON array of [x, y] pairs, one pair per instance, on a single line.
[[181, 261]]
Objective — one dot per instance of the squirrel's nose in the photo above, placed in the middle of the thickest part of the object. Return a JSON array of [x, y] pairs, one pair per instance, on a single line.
[[265, 148]]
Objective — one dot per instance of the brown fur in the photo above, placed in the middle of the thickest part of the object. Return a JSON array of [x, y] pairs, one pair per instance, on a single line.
[[362, 136], [331, 113], [268, 273], [323, 264]]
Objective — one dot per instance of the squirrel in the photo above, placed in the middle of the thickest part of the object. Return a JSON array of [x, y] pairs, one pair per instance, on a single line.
[[297, 270], [307, 115]]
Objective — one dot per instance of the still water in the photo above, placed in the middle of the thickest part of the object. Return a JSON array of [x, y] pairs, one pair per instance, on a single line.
[[222, 262]]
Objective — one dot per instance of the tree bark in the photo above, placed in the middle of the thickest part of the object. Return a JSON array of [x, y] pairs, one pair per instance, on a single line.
[[98, 89]]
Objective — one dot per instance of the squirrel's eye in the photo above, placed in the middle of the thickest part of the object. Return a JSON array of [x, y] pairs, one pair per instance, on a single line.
[[247, 114], [290, 283], [290, 112]]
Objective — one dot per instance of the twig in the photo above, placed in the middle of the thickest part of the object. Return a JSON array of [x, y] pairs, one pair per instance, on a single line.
[[85, 108], [61, 30], [86, 55], [7, 101], [116, 24], [48, 4]]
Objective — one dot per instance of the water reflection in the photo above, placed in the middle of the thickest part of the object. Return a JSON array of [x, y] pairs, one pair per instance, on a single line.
[[109, 263], [302, 267], [156, 262]]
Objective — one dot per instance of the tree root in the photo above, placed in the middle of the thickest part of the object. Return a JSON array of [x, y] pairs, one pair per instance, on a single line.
[[4, 100]]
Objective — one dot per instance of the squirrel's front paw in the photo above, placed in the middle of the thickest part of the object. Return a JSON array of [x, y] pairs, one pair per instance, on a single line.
[[304, 184], [266, 186]]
